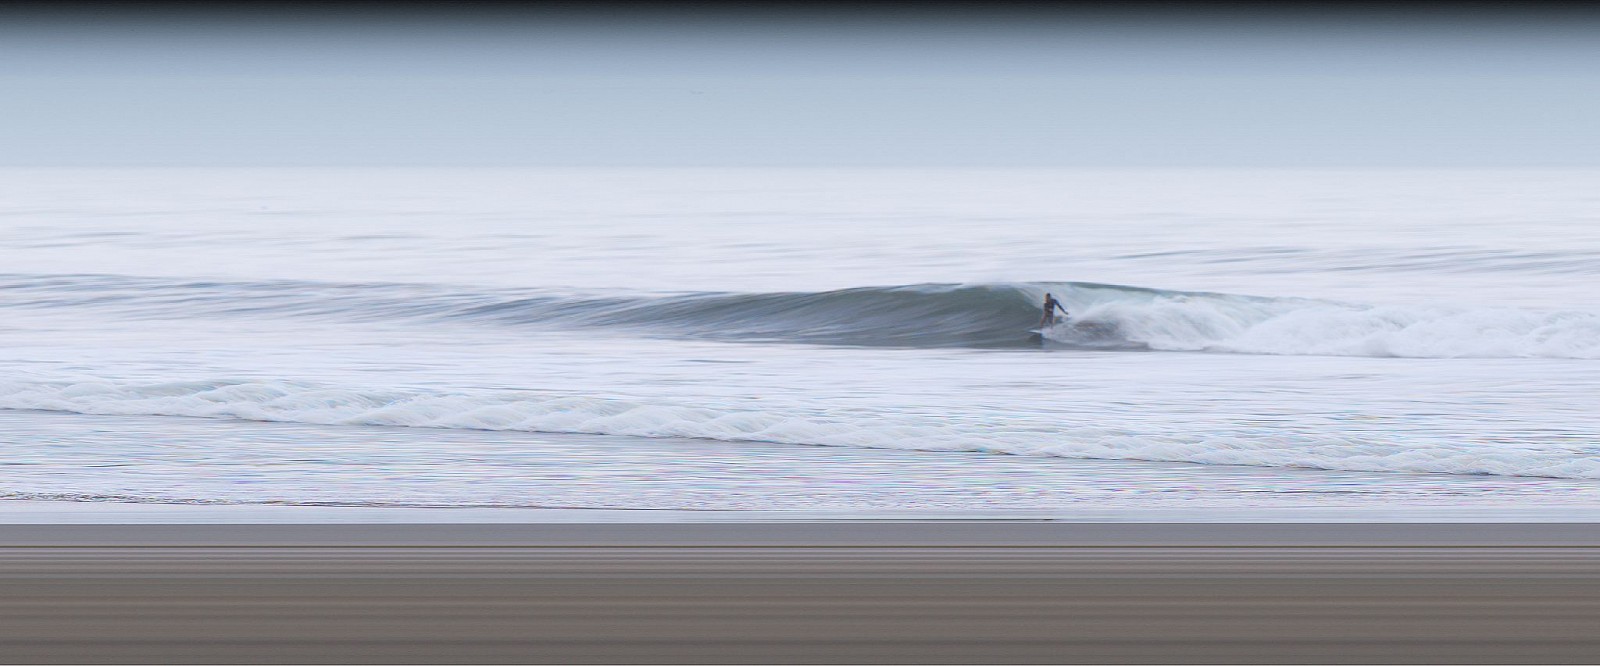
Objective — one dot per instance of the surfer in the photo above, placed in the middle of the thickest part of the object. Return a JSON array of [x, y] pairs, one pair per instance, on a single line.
[[1050, 307]]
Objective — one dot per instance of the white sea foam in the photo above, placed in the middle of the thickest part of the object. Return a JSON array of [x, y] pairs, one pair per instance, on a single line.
[[544, 412], [1176, 321]]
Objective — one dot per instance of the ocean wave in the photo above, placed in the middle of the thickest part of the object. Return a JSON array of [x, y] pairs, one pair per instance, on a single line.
[[925, 315], [1012, 434], [1203, 322]]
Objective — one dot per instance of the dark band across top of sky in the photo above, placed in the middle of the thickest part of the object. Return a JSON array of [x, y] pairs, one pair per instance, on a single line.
[[945, 85]]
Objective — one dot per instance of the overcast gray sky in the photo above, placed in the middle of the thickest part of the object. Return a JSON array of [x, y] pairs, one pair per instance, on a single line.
[[664, 89]]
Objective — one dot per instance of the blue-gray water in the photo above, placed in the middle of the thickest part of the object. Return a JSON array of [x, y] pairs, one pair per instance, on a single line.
[[801, 339]]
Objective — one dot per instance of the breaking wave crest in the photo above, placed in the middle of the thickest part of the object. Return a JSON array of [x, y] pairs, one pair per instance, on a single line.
[[887, 429], [924, 315]]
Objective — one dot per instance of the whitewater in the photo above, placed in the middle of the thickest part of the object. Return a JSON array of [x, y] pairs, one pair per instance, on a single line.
[[800, 339]]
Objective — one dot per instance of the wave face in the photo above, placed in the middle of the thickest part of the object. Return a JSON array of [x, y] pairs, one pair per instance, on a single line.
[[924, 315], [552, 412]]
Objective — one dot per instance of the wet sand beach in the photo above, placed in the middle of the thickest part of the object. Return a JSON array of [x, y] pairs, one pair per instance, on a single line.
[[800, 593]]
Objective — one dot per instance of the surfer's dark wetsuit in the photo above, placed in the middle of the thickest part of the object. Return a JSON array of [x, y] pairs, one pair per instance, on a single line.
[[1050, 307]]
